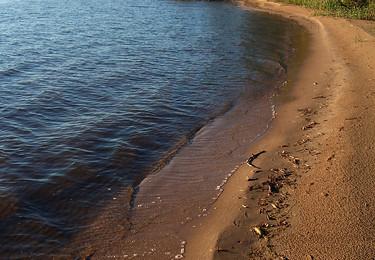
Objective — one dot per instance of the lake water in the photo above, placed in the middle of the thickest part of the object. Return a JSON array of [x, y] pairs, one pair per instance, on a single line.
[[97, 95]]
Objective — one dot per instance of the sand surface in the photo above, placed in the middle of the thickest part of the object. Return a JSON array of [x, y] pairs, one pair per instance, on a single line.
[[313, 196]]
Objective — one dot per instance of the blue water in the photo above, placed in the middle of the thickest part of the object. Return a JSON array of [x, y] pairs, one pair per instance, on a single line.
[[94, 93]]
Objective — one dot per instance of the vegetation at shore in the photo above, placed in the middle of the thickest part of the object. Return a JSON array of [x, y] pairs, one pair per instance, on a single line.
[[355, 9]]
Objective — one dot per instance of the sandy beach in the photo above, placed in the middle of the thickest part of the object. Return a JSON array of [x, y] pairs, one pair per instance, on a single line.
[[310, 195]]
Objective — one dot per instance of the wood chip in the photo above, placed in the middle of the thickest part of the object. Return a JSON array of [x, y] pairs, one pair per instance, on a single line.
[[258, 231]]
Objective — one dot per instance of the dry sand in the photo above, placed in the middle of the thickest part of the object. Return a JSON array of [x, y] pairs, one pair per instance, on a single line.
[[314, 195]]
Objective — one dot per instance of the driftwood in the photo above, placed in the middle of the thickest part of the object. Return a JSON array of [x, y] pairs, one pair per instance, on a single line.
[[317, 97], [253, 157]]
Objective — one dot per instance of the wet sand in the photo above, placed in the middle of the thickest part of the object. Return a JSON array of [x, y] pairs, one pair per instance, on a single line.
[[312, 196]]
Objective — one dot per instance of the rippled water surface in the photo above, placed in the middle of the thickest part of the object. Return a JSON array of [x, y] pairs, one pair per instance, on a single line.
[[95, 95]]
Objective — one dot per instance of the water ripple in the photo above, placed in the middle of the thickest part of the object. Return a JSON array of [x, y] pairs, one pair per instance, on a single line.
[[95, 95]]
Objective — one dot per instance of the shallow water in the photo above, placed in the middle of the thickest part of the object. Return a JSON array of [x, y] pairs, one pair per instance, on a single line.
[[96, 95]]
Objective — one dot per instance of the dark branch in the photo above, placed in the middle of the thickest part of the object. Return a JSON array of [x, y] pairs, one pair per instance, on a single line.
[[253, 157]]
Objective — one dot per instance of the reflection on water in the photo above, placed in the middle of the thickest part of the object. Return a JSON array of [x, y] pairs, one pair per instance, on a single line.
[[97, 94]]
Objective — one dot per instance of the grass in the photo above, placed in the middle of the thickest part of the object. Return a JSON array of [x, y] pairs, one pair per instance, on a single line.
[[338, 8]]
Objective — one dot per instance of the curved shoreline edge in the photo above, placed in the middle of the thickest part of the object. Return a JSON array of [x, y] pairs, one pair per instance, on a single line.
[[312, 197]]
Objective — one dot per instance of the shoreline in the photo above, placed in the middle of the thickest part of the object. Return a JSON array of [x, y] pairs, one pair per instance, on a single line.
[[219, 140], [310, 140]]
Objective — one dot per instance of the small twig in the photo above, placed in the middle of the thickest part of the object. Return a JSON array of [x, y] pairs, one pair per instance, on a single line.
[[317, 97]]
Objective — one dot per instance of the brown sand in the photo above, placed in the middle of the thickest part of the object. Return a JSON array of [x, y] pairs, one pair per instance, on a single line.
[[320, 152]]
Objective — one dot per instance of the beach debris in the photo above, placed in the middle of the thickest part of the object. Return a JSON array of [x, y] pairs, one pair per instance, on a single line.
[[253, 157], [274, 206], [318, 97], [351, 118], [273, 187], [282, 171], [179, 256], [283, 223], [258, 231], [219, 249], [245, 206], [309, 125], [303, 141], [295, 160], [284, 153], [261, 230], [315, 83]]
